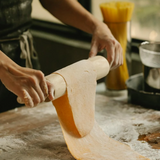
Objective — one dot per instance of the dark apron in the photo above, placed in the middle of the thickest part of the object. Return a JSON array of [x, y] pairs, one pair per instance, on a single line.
[[16, 42]]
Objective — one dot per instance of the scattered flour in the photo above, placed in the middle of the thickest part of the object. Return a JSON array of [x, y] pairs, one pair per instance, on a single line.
[[120, 121], [125, 123]]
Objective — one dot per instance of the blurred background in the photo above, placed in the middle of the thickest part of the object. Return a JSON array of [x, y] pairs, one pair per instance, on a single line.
[[59, 45]]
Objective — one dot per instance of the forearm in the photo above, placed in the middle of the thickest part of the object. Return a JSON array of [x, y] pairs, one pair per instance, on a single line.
[[28, 84], [72, 13], [5, 64]]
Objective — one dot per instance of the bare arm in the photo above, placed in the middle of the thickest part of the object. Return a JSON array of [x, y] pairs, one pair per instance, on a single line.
[[28, 84], [72, 13]]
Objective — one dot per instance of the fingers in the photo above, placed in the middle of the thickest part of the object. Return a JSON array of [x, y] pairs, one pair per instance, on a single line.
[[31, 97], [28, 84], [93, 50], [40, 92], [103, 39], [114, 55], [114, 51], [51, 91], [28, 101], [44, 88], [34, 88], [37, 87], [110, 56]]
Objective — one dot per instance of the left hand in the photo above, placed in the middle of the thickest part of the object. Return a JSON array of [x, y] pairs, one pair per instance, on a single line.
[[103, 39]]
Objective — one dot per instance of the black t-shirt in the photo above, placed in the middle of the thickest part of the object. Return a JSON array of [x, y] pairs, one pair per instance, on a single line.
[[15, 17]]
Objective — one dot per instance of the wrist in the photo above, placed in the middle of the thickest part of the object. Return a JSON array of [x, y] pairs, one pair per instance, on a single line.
[[92, 24], [95, 25], [3, 68], [5, 64]]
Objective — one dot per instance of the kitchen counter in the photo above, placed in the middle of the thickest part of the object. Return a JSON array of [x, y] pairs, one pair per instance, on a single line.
[[35, 133]]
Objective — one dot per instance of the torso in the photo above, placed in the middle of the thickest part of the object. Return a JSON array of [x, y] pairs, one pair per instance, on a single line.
[[15, 15], [15, 18]]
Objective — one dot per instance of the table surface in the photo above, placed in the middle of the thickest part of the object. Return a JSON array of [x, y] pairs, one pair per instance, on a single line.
[[35, 133]]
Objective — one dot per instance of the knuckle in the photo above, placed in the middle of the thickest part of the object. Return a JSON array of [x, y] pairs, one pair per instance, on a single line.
[[112, 42], [22, 92], [91, 53], [42, 99], [39, 74], [27, 81], [101, 47], [36, 100], [119, 63], [31, 80], [112, 57], [114, 63]]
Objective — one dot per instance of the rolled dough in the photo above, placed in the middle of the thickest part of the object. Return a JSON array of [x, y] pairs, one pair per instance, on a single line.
[[83, 136], [77, 119]]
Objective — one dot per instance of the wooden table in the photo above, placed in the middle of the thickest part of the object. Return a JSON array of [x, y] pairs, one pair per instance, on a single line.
[[35, 133]]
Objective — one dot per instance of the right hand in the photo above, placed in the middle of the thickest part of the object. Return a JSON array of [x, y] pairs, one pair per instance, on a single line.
[[103, 39], [28, 84]]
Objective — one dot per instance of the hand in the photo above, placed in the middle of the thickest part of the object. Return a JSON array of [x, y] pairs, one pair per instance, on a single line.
[[103, 39], [28, 84]]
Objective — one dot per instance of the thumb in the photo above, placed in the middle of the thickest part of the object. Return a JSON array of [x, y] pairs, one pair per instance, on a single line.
[[51, 92], [93, 50]]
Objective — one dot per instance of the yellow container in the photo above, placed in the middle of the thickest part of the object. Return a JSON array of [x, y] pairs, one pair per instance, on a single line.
[[117, 16]]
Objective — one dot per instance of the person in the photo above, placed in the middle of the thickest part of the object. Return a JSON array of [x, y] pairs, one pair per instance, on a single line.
[[20, 74]]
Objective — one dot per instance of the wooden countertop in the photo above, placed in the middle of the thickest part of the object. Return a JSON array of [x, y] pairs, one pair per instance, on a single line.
[[35, 133]]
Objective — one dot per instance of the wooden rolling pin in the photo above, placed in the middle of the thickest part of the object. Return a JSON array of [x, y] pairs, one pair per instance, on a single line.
[[100, 65]]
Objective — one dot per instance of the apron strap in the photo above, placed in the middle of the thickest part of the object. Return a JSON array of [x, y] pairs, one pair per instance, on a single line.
[[27, 49], [26, 45]]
